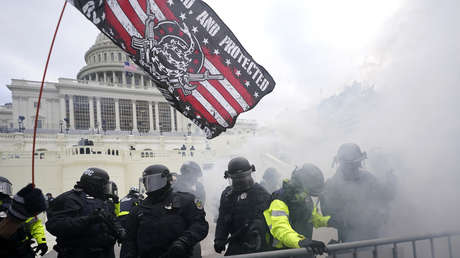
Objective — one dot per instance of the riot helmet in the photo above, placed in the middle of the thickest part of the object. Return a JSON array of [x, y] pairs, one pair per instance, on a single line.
[[309, 178], [133, 190], [95, 182], [6, 188], [350, 153], [239, 171], [350, 157], [156, 177], [271, 175], [192, 169]]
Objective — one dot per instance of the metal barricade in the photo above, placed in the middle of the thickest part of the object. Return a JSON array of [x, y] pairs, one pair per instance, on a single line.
[[373, 246]]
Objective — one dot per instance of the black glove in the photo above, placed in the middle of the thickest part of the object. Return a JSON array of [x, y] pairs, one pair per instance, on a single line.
[[115, 199], [219, 246], [28, 202], [42, 248], [178, 248], [317, 247]]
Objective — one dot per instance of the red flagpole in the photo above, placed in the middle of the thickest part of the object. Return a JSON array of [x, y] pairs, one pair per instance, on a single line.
[[41, 91]]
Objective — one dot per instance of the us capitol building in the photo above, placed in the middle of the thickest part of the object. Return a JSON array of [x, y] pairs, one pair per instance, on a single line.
[[107, 117]]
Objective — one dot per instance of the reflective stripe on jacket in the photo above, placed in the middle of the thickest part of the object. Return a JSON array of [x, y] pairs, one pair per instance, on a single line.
[[123, 213], [36, 229], [277, 218]]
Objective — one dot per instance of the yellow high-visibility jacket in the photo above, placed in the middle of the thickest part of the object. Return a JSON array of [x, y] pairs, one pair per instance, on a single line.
[[36, 229], [277, 219]]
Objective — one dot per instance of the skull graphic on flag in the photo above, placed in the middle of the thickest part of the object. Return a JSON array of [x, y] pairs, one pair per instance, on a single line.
[[171, 53], [197, 63]]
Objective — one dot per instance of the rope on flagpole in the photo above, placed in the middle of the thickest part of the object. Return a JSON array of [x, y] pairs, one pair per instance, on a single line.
[[41, 91]]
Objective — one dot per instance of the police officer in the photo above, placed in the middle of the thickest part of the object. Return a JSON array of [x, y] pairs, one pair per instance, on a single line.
[[27, 203], [271, 180], [82, 220], [31, 228], [356, 200], [188, 182], [293, 214], [166, 224], [133, 198], [49, 198], [241, 211]]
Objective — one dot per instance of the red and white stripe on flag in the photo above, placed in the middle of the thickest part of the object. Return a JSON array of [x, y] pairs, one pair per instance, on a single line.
[[218, 102]]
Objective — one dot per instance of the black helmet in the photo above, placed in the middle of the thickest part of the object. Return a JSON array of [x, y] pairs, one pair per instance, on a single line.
[[95, 182], [239, 171], [6, 187], [155, 177], [349, 153], [271, 174], [310, 178], [133, 190], [191, 168]]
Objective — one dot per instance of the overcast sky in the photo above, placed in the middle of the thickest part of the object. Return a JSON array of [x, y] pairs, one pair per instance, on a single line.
[[311, 48]]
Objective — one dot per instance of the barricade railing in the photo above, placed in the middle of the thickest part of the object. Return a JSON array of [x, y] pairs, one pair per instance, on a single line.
[[336, 250]]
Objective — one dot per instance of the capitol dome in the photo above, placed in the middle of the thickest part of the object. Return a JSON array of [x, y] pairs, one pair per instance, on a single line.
[[105, 64]]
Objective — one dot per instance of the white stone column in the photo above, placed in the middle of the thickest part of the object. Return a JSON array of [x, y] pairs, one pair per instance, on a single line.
[[117, 115], [173, 127], [98, 113], [142, 81], [123, 78], [150, 117], [71, 113], [105, 77], [62, 107], [180, 127], [97, 76], [114, 79], [134, 116], [91, 112], [157, 117], [16, 111]]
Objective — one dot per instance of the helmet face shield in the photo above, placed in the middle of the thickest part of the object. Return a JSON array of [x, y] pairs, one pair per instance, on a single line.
[[154, 182], [110, 189], [6, 188], [241, 181]]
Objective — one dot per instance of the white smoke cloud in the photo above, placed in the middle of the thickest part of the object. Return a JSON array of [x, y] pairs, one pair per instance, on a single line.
[[407, 107]]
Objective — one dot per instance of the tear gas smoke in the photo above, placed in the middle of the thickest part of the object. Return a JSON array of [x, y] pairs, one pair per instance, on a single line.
[[405, 115]]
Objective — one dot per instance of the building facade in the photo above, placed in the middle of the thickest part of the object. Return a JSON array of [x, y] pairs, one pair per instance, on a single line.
[[105, 97], [114, 106]]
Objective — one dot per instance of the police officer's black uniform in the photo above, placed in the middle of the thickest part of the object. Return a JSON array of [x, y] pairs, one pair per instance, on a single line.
[[130, 200], [166, 223], [241, 212], [73, 218], [355, 199], [188, 182]]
